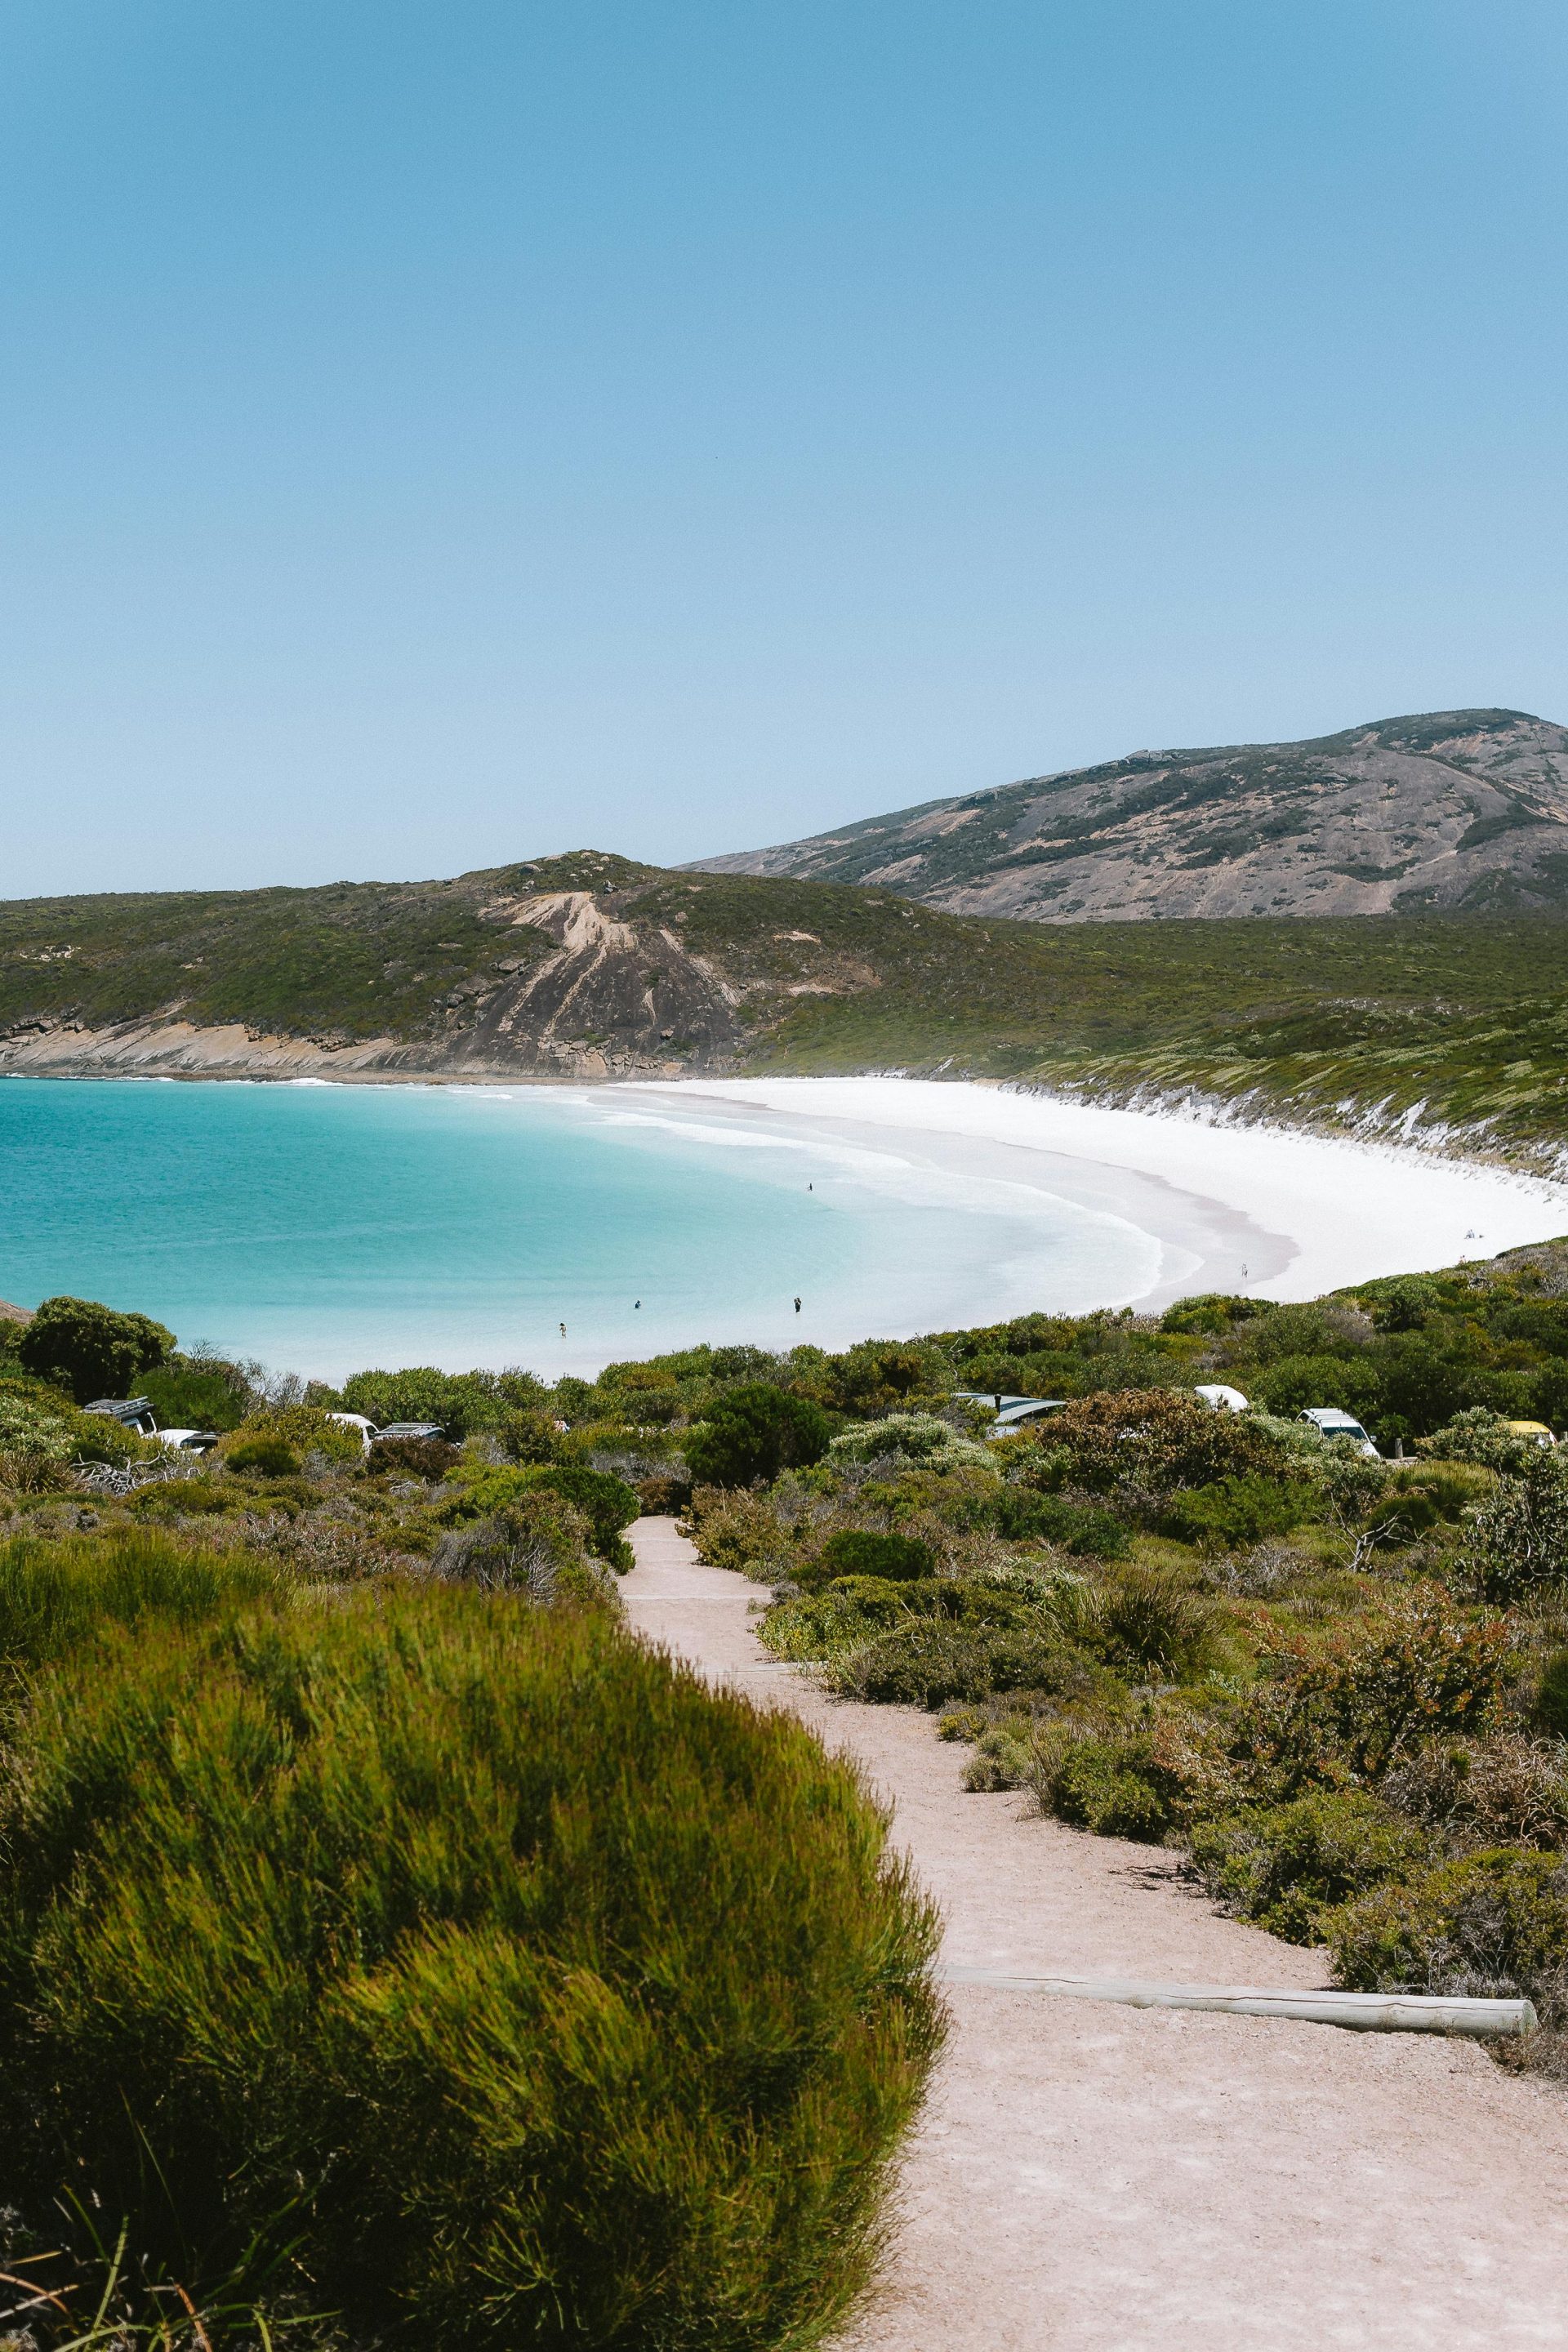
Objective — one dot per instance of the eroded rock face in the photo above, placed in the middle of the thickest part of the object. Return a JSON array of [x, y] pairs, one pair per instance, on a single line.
[[591, 991], [1459, 810]]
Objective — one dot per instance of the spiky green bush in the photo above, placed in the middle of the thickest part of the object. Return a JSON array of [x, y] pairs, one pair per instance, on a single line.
[[525, 1988], [59, 1596]]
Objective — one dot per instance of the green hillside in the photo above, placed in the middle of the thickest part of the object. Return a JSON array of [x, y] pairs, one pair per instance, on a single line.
[[592, 964]]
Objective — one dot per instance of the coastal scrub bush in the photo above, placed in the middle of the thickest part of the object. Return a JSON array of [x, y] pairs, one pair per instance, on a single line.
[[430, 1458], [606, 1502], [1087, 1530], [458, 1403], [280, 1442], [1232, 1511], [1148, 1619], [734, 1527], [1136, 1776], [1284, 1866], [90, 1350], [1151, 1439], [196, 1392], [909, 1437], [1481, 1436], [500, 1980], [752, 1432], [1294, 1382], [927, 1662], [1504, 1790], [1493, 1922], [528, 1437], [35, 1447], [854, 1552], [537, 1545], [59, 1594], [1520, 1535], [1551, 1698], [1342, 1710]]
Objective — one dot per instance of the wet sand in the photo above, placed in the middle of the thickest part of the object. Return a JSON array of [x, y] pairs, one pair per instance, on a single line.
[[1092, 2179]]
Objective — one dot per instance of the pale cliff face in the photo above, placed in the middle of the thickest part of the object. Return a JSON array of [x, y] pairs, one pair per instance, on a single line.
[[1460, 810]]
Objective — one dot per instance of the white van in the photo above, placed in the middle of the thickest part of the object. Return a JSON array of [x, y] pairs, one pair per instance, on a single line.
[[1328, 1420]]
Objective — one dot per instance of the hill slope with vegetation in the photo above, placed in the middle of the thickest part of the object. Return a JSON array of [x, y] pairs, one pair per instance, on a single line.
[[1462, 809], [590, 967]]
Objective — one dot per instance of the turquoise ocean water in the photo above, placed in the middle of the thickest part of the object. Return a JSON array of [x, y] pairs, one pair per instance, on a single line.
[[324, 1227]]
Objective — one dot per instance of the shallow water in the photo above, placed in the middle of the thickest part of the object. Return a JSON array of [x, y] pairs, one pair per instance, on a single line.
[[325, 1227]]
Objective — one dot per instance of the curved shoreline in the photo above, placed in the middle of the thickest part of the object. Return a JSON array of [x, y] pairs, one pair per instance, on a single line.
[[967, 1203], [1272, 1211]]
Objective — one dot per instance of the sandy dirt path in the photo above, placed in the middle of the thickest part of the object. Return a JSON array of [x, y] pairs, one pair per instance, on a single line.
[[1091, 2178]]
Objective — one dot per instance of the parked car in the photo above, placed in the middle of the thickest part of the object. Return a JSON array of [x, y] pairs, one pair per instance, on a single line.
[[408, 1428], [1219, 1398], [1330, 1421], [1536, 1431], [187, 1441], [131, 1413]]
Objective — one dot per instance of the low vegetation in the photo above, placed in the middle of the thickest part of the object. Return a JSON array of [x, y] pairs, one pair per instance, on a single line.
[[643, 2091], [391, 1949]]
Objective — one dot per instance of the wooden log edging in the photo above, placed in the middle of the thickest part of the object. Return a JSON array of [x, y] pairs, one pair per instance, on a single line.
[[1363, 2012]]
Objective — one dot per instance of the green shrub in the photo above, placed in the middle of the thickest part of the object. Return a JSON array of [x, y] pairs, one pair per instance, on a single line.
[[459, 1403], [1294, 1382], [878, 1374], [927, 1662], [1345, 1710], [1494, 1922], [909, 1437], [1481, 1436], [195, 1392], [280, 1442], [58, 1595], [1211, 1313], [1150, 1621], [1552, 1699], [91, 1351], [36, 1446], [754, 1431], [1154, 1440], [429, 1458], [854, 1552], [1087, 1530], [1111, 1782], [523, 1987], [1400, 1520], [1521, 1540], [537, 1547], [1283, 1865], [845, 1615], [606, 1502], [1231, 1511], [734, 1529], [529, 1437]]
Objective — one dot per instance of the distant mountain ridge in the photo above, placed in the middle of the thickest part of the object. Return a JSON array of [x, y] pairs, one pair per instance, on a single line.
[[1451, 811]]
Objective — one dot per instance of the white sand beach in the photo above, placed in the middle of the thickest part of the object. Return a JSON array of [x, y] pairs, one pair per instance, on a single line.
[[1263, 1210]]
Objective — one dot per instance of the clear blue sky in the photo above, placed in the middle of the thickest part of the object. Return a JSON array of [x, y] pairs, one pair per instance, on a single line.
[[433, 434]]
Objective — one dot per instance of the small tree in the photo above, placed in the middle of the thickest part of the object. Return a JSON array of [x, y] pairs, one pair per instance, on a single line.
[[91, 1349], [754, 1433]]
